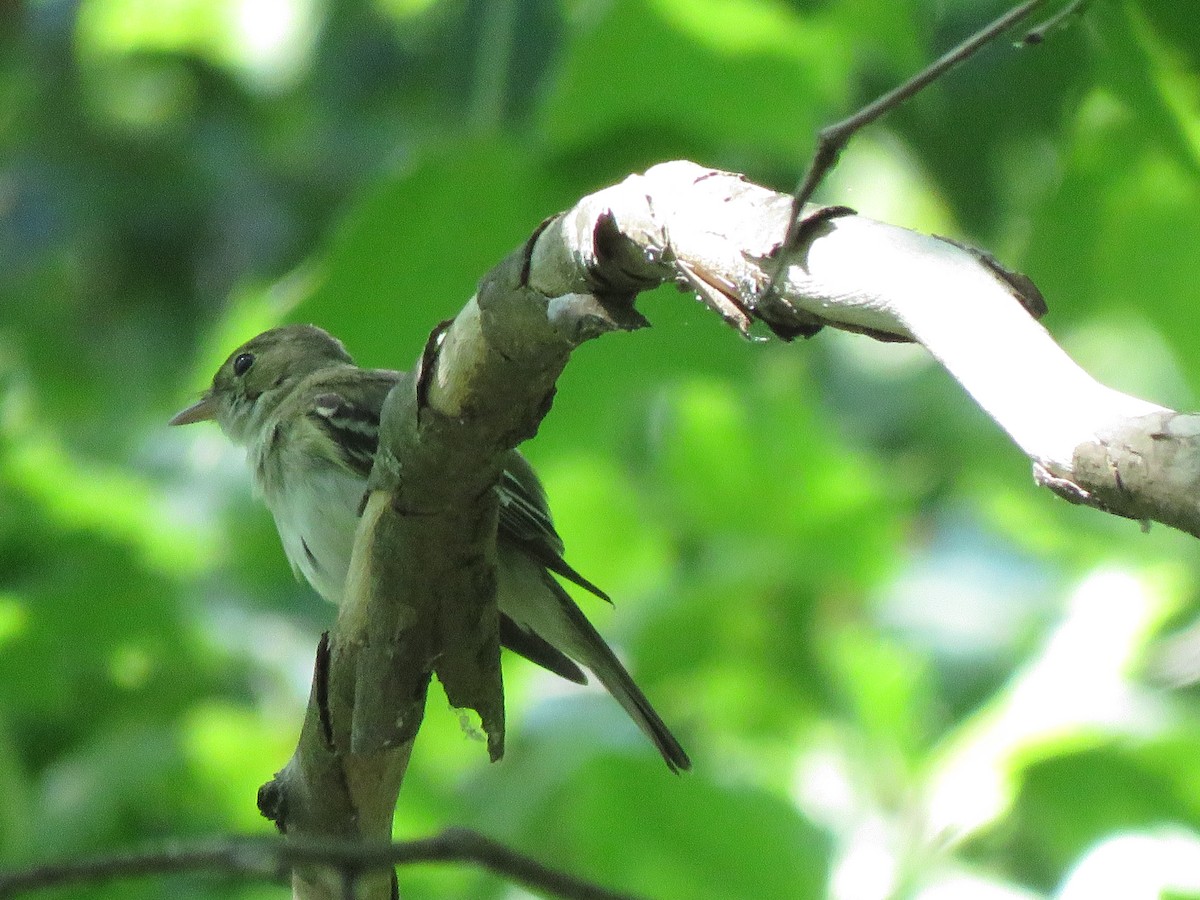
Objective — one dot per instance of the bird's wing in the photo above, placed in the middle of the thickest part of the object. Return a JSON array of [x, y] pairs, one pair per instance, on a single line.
[[351, 417], [525, 521], [538, 650], [354, 425]]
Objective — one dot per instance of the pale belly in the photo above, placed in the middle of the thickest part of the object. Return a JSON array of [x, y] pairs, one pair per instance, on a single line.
[[316, 524]]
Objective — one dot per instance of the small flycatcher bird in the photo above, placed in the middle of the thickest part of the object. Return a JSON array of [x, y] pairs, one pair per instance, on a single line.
[[309, 419]]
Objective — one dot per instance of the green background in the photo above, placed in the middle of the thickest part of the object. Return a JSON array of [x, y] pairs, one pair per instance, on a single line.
[[901, 669]]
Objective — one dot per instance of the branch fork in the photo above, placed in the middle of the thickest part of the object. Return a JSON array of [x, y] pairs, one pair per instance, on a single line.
[[487, 379]]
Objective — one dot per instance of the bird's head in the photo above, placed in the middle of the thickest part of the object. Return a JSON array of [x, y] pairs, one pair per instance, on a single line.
[[252, 382]]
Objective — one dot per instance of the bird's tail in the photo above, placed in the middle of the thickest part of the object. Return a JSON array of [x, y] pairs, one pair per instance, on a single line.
[[589, 648]]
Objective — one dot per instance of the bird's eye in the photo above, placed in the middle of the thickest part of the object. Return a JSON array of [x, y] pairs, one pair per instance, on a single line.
[[242, 364]]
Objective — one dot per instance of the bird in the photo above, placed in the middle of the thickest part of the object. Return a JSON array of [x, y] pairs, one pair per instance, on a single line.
[[308, 417]]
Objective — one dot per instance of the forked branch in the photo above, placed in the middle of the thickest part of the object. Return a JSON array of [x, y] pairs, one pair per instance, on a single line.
[[832, 139], [487, 379]]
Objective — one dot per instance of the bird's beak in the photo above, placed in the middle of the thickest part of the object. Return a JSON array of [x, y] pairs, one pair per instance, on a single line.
[[203, 410]]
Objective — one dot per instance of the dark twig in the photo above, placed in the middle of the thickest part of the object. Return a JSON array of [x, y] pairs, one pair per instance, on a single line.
[[272, 858], [832, 139], [1038, 33]]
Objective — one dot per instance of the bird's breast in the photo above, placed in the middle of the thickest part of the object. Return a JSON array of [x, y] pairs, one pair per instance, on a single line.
[[316, 516]]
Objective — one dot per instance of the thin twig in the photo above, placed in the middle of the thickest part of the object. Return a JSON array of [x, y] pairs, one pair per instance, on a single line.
[[832, 139], [272, 858], [1038, 33]]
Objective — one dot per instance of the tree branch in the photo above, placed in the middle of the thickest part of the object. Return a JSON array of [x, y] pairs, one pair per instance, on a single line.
[[270, 858], [420, 596], [832, 139], [486, 380], [717, 235]]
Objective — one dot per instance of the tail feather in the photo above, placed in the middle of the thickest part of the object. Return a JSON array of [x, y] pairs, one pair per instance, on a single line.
[[536, 649], [590, 649]]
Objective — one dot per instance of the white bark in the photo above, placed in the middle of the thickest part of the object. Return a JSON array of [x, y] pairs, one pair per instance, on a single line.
[[715, 233], [898, 280]]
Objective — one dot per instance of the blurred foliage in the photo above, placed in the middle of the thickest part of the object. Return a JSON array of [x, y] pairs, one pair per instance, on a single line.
[[901, 670]]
